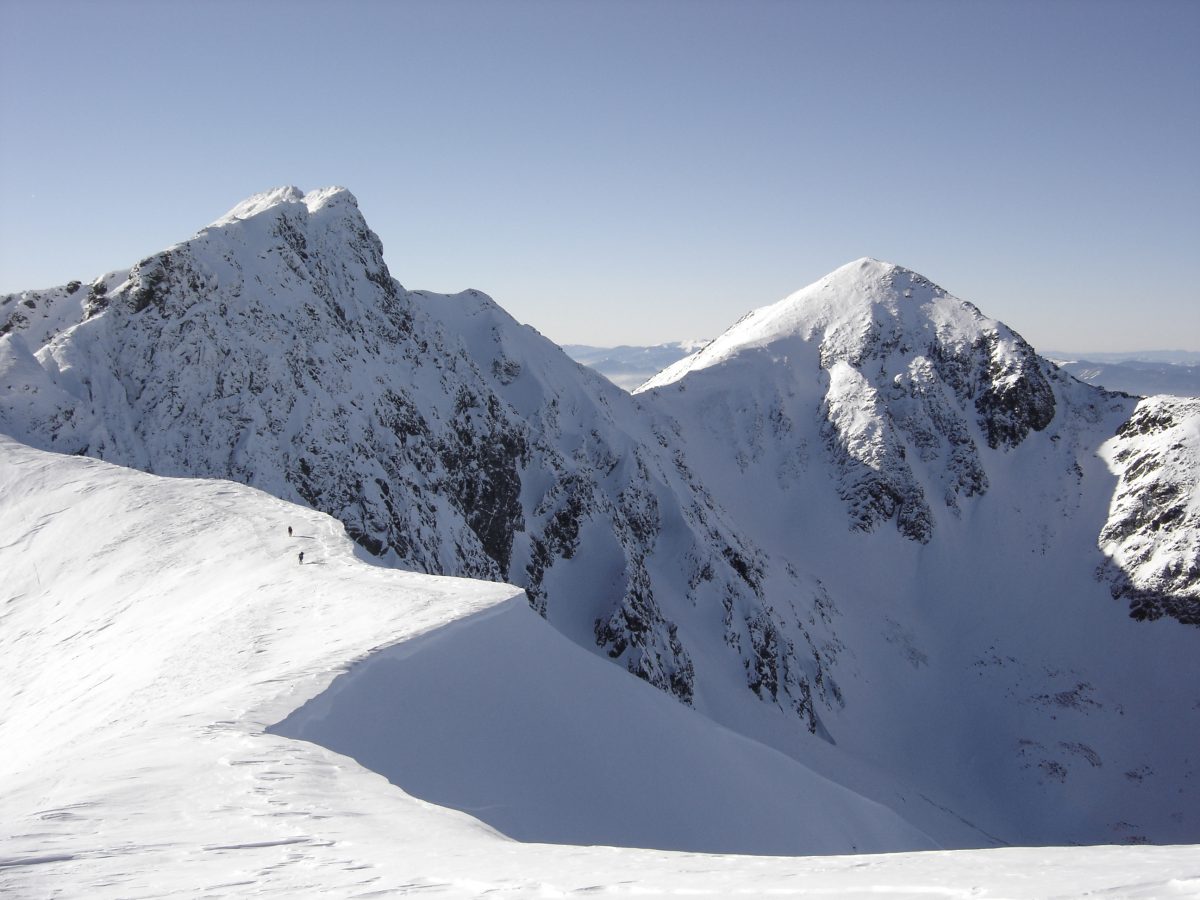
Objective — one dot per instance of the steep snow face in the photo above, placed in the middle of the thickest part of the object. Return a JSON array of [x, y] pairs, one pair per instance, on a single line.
[[274, 348], [504, 718]]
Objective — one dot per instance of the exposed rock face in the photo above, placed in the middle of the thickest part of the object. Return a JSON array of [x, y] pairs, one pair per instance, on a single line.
[[899, 395], [877, 483], [1152, 537]]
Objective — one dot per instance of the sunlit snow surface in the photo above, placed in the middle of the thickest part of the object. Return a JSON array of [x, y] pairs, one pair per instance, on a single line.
[[859, 528], [152, 628]]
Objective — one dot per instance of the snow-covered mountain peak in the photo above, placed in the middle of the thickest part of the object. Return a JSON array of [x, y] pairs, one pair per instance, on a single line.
[[261, 202], [264, 201], [904, 382], [847, 313], [863, 271], [328, 196]]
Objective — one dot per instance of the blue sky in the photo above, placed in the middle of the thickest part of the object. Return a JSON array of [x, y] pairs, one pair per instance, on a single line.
[[626, 172]]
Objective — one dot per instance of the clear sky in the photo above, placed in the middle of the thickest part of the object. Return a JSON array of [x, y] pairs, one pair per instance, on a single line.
[[621, 172]]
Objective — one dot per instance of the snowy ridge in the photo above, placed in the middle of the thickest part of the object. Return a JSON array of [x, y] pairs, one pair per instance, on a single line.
[[259, 203], [849, 307], [42, 315], [152, 629], [180, 626]]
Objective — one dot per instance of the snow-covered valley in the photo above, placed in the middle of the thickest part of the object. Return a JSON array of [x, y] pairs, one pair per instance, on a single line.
[[887, 580]]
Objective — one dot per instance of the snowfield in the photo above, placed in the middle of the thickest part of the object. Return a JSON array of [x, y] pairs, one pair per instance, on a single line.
[[153, 629]]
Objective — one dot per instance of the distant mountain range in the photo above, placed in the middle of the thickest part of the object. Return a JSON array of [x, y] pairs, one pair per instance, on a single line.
[[867, 527], [1145, 374], [626, 366], [1170, 357], [1145, 377]]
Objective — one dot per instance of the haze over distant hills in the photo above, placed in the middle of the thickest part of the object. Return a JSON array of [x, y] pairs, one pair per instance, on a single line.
[[1171, 357], [1175, 372], [867, 540], [1146, 373], [629, 366]]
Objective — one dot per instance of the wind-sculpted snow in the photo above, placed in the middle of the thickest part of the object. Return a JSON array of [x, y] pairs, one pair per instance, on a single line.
[[1152, 536], [548, 743]]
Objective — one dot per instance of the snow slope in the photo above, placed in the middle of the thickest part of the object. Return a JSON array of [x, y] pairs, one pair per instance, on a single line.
[[502, 717], [152, 628]]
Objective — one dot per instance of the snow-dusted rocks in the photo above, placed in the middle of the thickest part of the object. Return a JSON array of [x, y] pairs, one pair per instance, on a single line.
[[1152, 536], [905, 368]]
